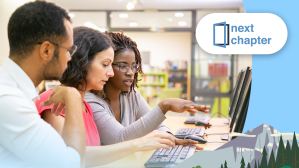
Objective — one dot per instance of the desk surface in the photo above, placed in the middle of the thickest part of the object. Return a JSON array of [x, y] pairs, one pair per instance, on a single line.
[[175, 122]]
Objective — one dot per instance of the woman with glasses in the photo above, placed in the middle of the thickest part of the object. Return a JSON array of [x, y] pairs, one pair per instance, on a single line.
[[90, 68], [119, 110]]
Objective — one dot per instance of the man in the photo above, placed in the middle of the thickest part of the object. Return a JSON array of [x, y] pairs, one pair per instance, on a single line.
[[41, 43]]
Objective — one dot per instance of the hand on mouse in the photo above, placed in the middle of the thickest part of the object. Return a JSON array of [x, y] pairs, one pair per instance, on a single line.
[[155, 140], [180, 105], [188, 142]]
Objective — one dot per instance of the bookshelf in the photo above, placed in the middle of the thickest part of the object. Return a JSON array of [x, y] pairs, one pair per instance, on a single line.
[[212, 78], [178, 78], [151, 85]]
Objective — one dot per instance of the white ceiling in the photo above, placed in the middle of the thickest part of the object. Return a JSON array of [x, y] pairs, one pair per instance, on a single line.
[[151, 19], [148, 4]]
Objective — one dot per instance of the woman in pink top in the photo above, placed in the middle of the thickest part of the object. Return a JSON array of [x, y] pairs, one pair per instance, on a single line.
[[90, 68], [92, 135]]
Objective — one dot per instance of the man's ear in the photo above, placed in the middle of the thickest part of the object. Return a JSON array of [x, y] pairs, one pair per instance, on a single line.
[[46, 51]]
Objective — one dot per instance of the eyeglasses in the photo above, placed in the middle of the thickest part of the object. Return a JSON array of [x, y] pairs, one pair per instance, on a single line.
[[125, 67], [71, 51]]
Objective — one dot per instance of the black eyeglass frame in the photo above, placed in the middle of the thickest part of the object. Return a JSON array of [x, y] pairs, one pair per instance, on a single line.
[[128, 67], [71, 51]]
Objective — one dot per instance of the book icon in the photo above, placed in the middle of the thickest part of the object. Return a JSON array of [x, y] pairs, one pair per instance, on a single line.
[[221, 34]]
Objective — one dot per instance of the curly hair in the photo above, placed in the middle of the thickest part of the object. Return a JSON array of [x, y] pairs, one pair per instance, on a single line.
[[35, 22], [89, 42], [122, 43]]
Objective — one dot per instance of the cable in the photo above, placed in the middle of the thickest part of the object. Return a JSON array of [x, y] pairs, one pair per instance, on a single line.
[[218, 125], [221, 115]]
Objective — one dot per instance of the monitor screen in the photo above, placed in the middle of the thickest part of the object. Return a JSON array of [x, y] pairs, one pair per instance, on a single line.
[[242, 103]]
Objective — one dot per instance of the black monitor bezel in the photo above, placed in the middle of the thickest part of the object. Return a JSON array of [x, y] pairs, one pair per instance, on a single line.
[[242, 122], [233, 102], [242, 80], [240, 109]]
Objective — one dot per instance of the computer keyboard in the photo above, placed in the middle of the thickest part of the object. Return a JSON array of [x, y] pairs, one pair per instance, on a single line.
[[183, 132], [200, 119], [163, 157]]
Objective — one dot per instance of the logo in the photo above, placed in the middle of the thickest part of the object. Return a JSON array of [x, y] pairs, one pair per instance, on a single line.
[[221, 34], [241, 33]]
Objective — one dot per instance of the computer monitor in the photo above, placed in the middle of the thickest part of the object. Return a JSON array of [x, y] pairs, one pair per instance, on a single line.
[[236, 90], [237, 96], [241, 126], [242, 105]]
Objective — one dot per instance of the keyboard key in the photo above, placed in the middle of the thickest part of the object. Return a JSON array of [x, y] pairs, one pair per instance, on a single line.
[[197, 130], [158, 151], [162, 153], [172, 160], [164, 161], [173, 150], [182, 157], [153, 161]]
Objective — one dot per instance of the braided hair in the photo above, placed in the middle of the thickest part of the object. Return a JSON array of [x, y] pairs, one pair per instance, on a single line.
[[122, 43]]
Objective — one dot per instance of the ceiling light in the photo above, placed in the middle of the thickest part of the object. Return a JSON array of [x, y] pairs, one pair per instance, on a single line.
[[71, 15], [130, 6], [169, 19], [178, 14], [110, 15], [182, 23], [123, 15], [93, 26], [133, 24]]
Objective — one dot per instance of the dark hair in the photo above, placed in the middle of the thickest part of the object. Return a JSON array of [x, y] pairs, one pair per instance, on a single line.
[[89, 42], [123, 43], [33, 23]]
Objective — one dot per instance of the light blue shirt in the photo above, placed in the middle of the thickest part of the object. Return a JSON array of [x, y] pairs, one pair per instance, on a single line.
[[25, 139]]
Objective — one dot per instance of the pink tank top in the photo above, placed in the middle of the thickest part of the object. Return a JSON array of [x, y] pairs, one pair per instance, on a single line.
[[92, 135]]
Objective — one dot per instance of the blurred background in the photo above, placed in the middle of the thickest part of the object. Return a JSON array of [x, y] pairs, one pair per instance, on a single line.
[[174, 65]]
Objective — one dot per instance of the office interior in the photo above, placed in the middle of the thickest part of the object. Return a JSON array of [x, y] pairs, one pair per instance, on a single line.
[[173, 63]]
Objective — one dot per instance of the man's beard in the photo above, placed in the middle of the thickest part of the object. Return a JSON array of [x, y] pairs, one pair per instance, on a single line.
[[53, 70]]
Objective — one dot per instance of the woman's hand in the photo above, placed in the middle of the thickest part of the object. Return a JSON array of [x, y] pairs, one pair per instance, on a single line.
[[60, 96], [180, 105], [155, 140], [187, 142]]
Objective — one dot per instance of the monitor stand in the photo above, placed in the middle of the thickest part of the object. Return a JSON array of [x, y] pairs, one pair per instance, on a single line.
[[224, 137], [228, 121]]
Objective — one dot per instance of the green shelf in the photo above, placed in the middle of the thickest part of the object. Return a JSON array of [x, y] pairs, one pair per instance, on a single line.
[[152, 105], [151, 84], [152, 96], [155, 73]]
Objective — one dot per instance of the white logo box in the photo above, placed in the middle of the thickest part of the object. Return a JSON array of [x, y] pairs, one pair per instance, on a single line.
[[268, 29]]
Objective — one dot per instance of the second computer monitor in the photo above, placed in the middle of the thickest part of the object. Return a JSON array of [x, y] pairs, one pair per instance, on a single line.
[[237, 87], [243, 77], [242, 105]]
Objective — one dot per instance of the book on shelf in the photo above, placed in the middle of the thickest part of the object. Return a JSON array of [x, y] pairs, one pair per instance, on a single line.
[[152, 90], [152, 79], [153, 100], [218, 69]]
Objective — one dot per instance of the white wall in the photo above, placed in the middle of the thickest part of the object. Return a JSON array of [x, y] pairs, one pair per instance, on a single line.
[[163, 46], [7, 7], [243, 62]]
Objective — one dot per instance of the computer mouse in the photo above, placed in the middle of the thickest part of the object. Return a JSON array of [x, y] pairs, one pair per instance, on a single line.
[[199, 123], [196, 138]]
